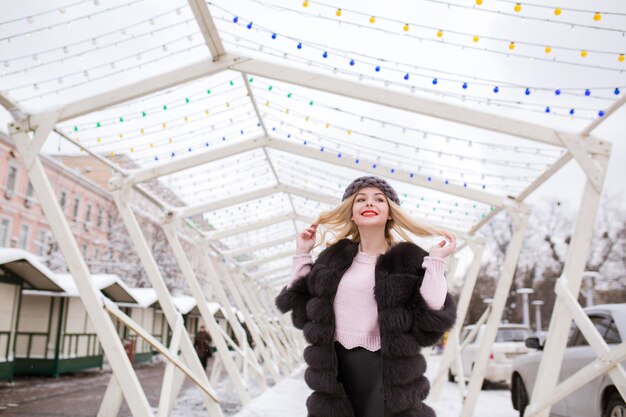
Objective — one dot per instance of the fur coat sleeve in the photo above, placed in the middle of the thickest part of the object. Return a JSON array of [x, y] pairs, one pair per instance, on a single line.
[[294, 299]]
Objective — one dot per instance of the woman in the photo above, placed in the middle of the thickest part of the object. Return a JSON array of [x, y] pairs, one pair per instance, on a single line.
[[367, 305]]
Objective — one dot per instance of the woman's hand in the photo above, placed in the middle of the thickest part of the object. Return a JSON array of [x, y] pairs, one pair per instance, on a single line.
[[442, 251], [305, 240]]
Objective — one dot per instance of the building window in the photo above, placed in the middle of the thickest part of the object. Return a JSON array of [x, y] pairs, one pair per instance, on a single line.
[[40, 243], [11, 181], [29, 189], [88, 214], [96, 256], [84, 251], [100, 214], [22, 240], [63, 200], [76, 207], [5, 226]]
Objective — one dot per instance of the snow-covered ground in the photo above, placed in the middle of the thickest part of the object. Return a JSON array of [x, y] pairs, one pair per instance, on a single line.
[[287, 399]]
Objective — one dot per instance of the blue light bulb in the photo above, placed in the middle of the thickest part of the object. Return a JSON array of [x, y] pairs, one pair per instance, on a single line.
[[273, 36], [411, 175], [496, 89], [235, 19], [352, 62], [322, 149], [325, 54], [249, 25], [356, 161], [374, 166], [305, 142], [299, 45], [587, 92], [572, 112], [430, 178], [465, 86], [406, 76], [601, 113], [557, 91], [392, 170], [435, 81], [527, 91], [338, 155], [377, 68], [548, 109], [616, 91]]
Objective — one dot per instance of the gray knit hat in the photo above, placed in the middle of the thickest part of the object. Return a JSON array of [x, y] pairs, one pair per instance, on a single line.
[[371, 181]]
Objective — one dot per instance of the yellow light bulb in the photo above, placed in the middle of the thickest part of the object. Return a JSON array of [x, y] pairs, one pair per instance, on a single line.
[[305, 4], [620, 58], [583, 53], [338, 12], [152, 145], [170, 140], [206, 112], [306, 118], [512, 45], [558, 11], [406, 27], [121, 135], [349, 132], [99, 140], [267, 103], [132, 150], [475, 38], [479, 2], [142, 131], [518, 7], [597, 16], [327, 125], [439, 34], [372, 19], [164, 125], [228, 104], [286, 111], [548, 49], [112, 153]]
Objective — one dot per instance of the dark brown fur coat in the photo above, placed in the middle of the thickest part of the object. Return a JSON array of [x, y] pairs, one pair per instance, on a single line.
[[406, 324]]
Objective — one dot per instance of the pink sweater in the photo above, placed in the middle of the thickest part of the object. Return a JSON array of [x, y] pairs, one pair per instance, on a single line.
[[356, 313]]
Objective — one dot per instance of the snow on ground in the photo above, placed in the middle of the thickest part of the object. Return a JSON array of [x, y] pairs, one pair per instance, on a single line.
[[288, 397]]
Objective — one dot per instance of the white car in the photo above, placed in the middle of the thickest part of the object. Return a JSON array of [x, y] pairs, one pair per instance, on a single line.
[[508, 345], [597, 398]]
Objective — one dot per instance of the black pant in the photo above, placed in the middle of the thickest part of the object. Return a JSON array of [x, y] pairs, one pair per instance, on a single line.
[[361, 373]]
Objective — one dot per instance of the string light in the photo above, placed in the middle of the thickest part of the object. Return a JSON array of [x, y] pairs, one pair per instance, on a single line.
[[377, 68], [475, 38], [516, 105], [30, 20]]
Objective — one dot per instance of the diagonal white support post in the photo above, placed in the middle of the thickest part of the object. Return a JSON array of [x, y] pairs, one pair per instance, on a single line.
[[172, 379], [112, 400], [212, 270], [218, 289], [170, 312], [258, 321], [519, 215], [90, 296], [552, 357], [169, 227], [449, 353], [277, 333]]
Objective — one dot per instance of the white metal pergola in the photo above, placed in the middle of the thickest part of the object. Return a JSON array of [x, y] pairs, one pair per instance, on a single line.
[[238, 275]]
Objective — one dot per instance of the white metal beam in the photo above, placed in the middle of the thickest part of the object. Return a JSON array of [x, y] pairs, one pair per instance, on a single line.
[[383, 171], [213, 236], [400, 101], [550, 365], [207, 27], [137, 176], [267, 244], [578, 149], [225, 202], [311, 195], [608, 112], [140, 88], [249, 264]]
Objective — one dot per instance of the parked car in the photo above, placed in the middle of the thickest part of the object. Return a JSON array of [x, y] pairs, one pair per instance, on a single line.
[[597, 398], [508, 345]]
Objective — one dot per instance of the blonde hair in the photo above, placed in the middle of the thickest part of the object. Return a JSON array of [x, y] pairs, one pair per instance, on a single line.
[[338, 221]]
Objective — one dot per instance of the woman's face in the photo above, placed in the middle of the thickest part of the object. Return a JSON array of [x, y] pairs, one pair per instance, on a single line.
[[370, 208]]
